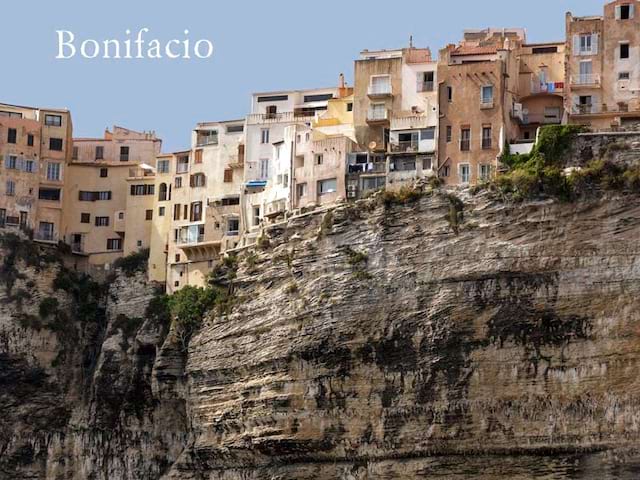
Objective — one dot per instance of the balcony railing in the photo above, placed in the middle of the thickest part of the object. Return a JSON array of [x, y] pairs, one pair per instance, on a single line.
[[405, 146], [140, 172], [465, 145], [593, 108], [377, 115], [486, 144], [203, 141], [45, 236], [539, 118], [426, 86], [379, 90], [282, 117], [191, 239], [585, 79], [77, 247], [410, 122], [182, 168], [373, 167]]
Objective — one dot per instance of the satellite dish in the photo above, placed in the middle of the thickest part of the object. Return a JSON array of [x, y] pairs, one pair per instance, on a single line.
[[372, 145]]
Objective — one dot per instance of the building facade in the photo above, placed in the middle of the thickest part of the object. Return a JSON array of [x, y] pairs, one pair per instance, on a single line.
[[603, 66], [110, 187]]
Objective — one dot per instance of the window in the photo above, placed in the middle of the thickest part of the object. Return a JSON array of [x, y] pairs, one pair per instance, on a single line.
[[29, 166], [163, 166], [446, 170], [230, 201], [183, 164], [624, 12], [137, 190], [161, 211], [104, 172], [120, 215], [102, 221], [103, 195], [12, 135], [465, 139], [85, 218], [264, 168], [271, 111], [465, 173], [4, 113], [426, 81], [85, 196], [350, 107], [162, 192], [178, 182], [543, 50], [53, 171], [256, 215], [319, 158], [114, 244], [11, 162], [585, 44], [450, 94], [198, 156], [51, 194], [624, 51], [485, 172], [264, 135], [235, 128], [327, 186], [228, 175], [624, 76], [233, 226], [10, 189], [148, 215], [197, 180], [487, 95], [139, 243], [55, 144], [196, 212], [486, 138], [301, 190], [99, 153], [373, 183], [380, 85], [273, 98], [449, 133], [30, 140], [176, 211], [53, 120], [124, 154], [45, 231], [428, 133]]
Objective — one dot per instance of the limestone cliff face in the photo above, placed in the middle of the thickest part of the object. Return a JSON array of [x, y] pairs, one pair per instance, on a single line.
[[377, 341]]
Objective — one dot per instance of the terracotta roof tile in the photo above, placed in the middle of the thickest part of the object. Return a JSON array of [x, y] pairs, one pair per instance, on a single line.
[[475, 50]]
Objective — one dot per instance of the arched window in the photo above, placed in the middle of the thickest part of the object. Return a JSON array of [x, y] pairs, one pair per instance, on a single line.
[[162, 194]]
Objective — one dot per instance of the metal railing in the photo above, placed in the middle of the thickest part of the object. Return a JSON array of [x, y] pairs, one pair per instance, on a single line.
[[486, 143], [140, 172], [379, 89], [426, 86], [45, 236], [465, 145], [191, 240], [282, 117], [205, 140], [377, 115], [585, 79], [405, 146]]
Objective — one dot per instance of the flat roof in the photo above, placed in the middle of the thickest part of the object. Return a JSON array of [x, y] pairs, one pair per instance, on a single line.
[[61, 110], [282, 92]]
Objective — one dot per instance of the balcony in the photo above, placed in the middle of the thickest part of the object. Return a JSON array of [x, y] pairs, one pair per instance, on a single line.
[[541, 119], [77, 248], [604, 109], [538, 87], [140, 172], [585, 80], [377, 116], [405, 146], [206, 138], [410, 122], [45, 236], [372, 167], [191, 239], [282, 117], [426, 87], [380, 90]]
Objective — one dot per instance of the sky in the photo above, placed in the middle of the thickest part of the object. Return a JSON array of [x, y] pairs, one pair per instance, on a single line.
[[258, 46]]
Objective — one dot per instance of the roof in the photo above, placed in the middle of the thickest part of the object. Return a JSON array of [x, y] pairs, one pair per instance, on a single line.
[[466, 50], [60, 110]]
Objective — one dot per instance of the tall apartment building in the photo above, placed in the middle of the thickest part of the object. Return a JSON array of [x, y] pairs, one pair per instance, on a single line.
[[603, 66], [109, 191], [198, 204], [541, 88], [272, 127], [35, 146], [395, 119], [478, 90]]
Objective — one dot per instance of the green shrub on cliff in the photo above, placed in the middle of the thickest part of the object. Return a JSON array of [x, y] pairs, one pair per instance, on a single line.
[[133, 263]]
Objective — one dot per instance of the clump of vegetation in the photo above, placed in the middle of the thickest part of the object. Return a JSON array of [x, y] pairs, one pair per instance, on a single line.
[[358, 262], [188, 307], [404, 196], [251, 260], [87, 294], [291, 288], [221, 281], [128, 326], [133, 263], [327, 223], [48, 307], [263, 242]]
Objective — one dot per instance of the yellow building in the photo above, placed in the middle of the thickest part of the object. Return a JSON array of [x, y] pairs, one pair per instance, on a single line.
[[35, 146], [109, 193]]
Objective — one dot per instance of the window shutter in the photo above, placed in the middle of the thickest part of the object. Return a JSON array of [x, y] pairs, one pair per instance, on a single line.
[[576, 45], [19, 163], [594, 44], [618, 12], [632, 8]]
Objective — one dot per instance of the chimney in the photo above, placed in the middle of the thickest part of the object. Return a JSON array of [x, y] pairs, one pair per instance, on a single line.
[[341, 83], [410, 41]]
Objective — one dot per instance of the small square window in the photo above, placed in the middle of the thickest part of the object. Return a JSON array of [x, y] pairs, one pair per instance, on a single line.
[[85, 218], [104, 172], [624, 76], [625, 12], [148, 215], [12, 135], [161, 211], [30, 140], [350, 107], [55, 144], [124, 154], [624, 51]]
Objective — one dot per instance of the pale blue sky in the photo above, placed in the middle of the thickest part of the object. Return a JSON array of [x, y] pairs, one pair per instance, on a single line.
[[260, 45]]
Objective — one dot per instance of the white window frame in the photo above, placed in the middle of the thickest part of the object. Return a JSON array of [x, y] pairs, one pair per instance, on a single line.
[[482, 99], [264, 136], [54, 171], [462, 181], [326, 192]]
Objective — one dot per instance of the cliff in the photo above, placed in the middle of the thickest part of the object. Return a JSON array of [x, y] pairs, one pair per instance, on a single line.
[[405, 338]]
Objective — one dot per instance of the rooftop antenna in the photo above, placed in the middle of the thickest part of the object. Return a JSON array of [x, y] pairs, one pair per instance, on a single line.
[[410, 41]]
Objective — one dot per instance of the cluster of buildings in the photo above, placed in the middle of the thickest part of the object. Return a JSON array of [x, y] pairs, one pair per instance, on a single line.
[[410, 114]]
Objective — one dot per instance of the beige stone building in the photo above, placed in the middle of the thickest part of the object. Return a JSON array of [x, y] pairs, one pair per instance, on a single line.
[[395, 118], [603, 66], [109, 193], [200, 192], [479, 80], [35, 146]]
